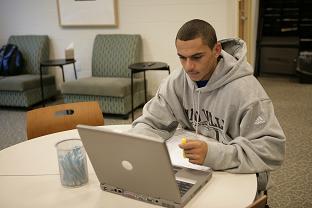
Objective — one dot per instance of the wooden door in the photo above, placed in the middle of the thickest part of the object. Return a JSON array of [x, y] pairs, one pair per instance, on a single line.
[[244, 29]]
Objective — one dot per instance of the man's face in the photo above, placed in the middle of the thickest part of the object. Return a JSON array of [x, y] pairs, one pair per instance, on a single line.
[[197, 59]]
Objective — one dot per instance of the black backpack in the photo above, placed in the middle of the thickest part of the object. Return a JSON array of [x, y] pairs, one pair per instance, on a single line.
[[11, 60]]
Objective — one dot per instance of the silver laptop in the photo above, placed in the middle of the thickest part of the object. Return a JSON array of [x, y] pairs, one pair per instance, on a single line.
[[139, 167]]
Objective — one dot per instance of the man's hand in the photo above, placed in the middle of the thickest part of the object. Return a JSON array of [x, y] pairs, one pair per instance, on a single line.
[[195, 151]]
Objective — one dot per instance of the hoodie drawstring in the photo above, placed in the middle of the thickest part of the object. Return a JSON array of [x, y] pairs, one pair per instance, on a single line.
[[197, 118]]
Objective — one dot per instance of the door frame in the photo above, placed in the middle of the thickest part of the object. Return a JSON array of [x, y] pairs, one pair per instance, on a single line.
[[247, 18]]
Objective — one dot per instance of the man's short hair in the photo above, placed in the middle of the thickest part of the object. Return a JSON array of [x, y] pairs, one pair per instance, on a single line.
[[198, 28]]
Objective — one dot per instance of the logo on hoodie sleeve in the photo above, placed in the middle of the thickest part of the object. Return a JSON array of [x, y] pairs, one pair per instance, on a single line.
[[259, 120]]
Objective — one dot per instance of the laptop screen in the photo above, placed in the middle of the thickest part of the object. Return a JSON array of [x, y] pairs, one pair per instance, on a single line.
[[131, 162]]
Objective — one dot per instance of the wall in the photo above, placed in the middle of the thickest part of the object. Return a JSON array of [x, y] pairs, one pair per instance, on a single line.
[[157, 21]]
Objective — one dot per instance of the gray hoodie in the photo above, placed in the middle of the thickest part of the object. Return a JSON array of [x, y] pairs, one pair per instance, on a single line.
[[232, 108]]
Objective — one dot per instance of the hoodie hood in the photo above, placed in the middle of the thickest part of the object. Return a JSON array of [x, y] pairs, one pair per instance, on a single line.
[[232, 65]]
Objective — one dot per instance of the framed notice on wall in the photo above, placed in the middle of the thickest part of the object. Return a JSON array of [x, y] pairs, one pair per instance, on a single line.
[[87, 12]]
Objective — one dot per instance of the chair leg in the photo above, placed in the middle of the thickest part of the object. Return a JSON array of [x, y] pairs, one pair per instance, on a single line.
[[266, 193]]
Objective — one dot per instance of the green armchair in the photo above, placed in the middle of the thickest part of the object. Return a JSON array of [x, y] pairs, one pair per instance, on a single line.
[[110, 83], [24, 90]]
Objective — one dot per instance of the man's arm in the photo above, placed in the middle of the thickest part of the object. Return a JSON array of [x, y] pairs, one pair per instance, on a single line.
[[158, 119], [260, 145]]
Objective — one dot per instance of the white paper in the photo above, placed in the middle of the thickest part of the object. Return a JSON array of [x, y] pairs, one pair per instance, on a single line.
[[176, 153]]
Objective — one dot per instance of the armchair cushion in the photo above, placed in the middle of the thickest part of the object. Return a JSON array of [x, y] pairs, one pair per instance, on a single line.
[[113, 53], [24, 82], [103, 86], [35, 48]]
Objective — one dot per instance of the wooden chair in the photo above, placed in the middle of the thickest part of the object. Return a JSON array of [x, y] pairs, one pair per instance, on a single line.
[[47, 120], [260, 202]]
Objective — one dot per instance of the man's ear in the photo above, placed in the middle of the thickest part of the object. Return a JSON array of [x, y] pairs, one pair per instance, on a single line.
[[217, 49]]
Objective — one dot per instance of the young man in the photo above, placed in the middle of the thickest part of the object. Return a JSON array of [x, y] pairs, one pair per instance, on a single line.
[[217, 96]]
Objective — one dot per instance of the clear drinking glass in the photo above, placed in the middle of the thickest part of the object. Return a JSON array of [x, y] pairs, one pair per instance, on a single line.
[[72, 162]]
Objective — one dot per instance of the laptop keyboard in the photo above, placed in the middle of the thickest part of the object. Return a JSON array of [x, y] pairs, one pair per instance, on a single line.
[[184, 187]]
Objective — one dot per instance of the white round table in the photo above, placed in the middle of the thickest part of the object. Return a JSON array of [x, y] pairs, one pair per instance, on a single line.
[[29, 177]]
